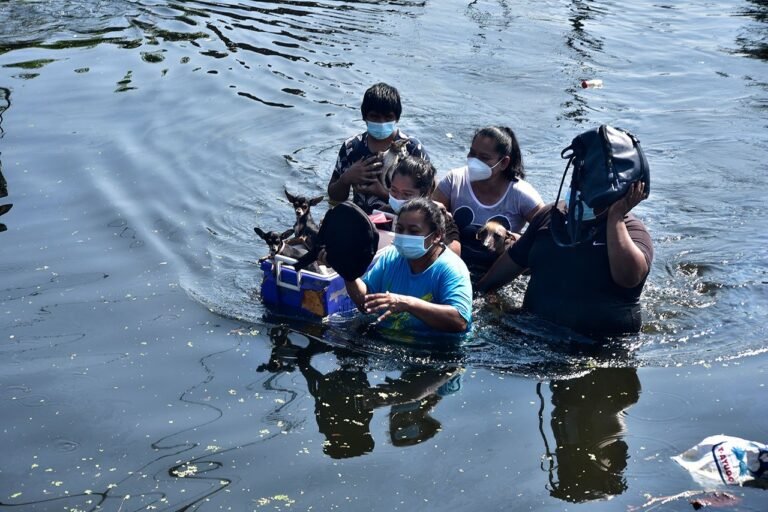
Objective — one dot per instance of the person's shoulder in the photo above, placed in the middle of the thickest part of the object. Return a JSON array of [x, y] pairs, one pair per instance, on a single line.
[[414, 145], [457, 173], [453, 263], [453, 180], [383, 261], [633, 223], [541, 218], [389, 255], [353, 142], [524, 187]]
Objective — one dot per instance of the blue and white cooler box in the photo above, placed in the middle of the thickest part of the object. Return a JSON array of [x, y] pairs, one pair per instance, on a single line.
[[306, 293]]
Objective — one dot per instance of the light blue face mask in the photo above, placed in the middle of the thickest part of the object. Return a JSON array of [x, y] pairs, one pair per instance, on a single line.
[[381, 131], [588, 213], [411, 247], [396, 204]]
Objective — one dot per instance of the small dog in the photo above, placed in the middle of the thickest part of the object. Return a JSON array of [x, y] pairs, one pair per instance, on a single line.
[[495, 237], [304, 229], [276, 244]]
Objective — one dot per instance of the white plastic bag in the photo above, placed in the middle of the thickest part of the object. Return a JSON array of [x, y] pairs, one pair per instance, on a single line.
[[726, 459]]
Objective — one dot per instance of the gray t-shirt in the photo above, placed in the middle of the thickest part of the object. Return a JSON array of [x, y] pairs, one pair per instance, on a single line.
[[510, 210]]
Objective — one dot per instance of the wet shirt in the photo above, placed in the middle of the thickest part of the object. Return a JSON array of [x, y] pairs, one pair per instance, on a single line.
[[572, 286], [356, 148], [470, 214], [446, 281]]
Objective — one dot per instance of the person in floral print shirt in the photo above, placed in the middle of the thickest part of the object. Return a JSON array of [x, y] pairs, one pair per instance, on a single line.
[[357, 166]]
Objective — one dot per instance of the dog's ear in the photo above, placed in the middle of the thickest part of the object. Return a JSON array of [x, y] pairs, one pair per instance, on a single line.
[[315, 201], [259, 232], [285, 234], [289, 196], [480, 233]]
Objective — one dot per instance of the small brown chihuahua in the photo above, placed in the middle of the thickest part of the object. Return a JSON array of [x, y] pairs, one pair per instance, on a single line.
[[495, 237]]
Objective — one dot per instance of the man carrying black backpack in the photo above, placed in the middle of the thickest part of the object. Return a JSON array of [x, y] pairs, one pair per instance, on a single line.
[[588, 256]]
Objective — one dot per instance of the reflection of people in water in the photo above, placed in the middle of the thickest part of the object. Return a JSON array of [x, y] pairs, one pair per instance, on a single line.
[[587, 422], [345, 399], [5, 102], [410, 422]]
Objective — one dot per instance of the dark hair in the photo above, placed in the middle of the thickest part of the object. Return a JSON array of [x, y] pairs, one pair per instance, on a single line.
[[381, 98], [432, 213], [506, 145], [421, 171]]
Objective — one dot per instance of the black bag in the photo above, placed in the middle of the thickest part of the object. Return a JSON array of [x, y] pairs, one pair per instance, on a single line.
[[606, 162]]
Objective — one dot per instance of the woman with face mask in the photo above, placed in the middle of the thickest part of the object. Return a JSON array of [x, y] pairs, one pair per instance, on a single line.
[[418, 283], [415, 177], [491, 187]]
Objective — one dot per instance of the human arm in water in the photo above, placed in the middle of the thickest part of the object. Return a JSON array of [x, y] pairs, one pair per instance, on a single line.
[[364, 174], [503, 271], [628, 264], [441, 317]]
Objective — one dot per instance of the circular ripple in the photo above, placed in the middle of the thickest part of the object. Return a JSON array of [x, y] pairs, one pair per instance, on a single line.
[[660, 406]]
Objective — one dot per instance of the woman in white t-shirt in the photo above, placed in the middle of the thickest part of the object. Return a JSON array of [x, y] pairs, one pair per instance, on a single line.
[[491, 187]]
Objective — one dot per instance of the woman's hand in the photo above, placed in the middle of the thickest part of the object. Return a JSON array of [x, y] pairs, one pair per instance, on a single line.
[[387, 302], [631, 199]]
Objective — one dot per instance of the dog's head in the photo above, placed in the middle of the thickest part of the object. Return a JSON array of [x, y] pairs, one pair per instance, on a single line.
[[302, 204], [273, 239], [494, 237]]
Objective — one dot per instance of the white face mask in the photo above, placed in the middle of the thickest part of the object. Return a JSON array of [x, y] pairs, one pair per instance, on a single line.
[[479, 170], [396, 204], [411, 247]]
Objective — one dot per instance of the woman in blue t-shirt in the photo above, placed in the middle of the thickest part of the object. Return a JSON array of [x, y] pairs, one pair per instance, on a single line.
[[418, 283]]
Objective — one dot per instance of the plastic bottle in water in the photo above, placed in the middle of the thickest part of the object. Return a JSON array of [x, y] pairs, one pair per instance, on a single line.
[[595, 83]]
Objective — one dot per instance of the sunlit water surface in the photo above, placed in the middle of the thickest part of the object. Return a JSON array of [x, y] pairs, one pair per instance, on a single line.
[[142, 141]]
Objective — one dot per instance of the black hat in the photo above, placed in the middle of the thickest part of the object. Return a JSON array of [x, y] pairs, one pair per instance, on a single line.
[[350, 241]]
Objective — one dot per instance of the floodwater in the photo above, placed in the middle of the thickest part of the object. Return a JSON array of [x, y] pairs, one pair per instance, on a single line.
[[141, 142]]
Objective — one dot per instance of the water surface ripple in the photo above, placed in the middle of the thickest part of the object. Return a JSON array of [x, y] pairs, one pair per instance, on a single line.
[[141, 142]]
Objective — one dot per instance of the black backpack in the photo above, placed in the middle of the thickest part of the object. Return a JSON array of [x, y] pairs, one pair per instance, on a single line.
[[606, 162]]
